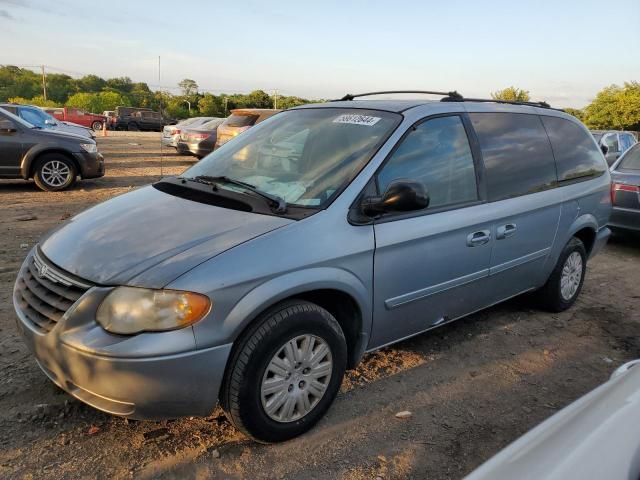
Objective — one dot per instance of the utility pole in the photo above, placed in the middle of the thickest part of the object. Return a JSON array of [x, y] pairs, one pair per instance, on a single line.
[[225, 106], [189, 105], [275, 99], [44, 83]]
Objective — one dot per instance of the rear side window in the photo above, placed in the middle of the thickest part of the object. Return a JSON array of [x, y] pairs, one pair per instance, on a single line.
[[241, 120], [631, 160], [438, 155], [575, 152], [516, 153], [611, 141]]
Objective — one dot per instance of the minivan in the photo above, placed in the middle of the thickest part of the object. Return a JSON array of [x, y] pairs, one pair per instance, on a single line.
[[260, 274], [241, 119]]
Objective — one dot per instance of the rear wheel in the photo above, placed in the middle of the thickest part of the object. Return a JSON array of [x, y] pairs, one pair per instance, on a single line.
[[54, 172], [566, 280], [285, 373], [96, 126]]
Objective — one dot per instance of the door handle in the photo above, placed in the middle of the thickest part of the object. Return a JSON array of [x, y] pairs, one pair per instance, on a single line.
[[478, 238], [505, 231]]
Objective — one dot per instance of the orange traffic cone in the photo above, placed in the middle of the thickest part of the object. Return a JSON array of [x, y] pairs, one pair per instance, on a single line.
[[104, 129]]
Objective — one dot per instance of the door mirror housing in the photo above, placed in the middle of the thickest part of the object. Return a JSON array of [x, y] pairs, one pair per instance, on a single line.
[[604, 149], [50, 121], [7, 126], [402, 195]]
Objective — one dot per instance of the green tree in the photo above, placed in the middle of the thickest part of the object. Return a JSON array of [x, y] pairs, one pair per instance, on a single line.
[[189, 87], [615, 107], [121, 84], [211, 106], [511, 94], [89, 102], [60, 87], [90, 83], [18, 82], [38, 100]]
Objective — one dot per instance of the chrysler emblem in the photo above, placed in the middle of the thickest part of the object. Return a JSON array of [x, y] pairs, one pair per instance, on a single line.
[[42, 271]]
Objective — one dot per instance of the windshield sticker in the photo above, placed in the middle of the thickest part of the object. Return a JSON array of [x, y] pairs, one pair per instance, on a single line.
[[355, 119]]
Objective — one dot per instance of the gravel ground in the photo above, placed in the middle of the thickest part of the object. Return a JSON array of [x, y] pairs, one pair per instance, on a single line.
[[472, 386]]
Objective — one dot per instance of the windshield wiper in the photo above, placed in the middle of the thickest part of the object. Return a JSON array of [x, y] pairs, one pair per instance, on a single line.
[[278, 204]]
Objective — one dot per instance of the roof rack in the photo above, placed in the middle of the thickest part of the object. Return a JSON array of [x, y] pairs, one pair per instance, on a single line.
[[453, 96]]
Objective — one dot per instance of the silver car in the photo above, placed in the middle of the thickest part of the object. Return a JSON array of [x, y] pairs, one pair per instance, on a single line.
[[256, 277], [625, 191], [171, 133], [615, 142]]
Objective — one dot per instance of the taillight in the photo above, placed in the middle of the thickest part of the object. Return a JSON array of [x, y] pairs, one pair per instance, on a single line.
[[621, 187], [198, 136]]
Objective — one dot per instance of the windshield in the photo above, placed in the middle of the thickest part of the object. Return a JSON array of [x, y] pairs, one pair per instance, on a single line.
[[18, 120], [36, 117], [211, 124], [302, 156]]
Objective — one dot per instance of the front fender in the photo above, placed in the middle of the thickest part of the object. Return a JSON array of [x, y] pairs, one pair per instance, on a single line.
[[30, 156], [251, 305]]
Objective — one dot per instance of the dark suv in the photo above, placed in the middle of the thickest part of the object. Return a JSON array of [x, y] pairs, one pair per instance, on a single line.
[[53, 159], [138, 119]]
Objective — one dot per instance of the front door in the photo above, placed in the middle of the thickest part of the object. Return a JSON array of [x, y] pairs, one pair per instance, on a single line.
[[11, 148], [431, 266]]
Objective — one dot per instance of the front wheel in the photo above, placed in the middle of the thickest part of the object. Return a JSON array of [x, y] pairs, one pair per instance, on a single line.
[[96, 126], [566, 280], [285, 372], [54, 172]]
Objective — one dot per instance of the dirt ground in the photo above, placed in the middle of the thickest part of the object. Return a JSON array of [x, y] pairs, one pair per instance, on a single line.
[[472, 386]]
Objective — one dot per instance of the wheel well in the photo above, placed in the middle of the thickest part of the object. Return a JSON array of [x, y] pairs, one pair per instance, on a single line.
[[34, 162], [346, 311], [588, 237]]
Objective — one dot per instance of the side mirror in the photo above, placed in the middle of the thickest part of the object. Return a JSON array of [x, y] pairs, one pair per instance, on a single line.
[[50, 121], [401, 196], [604, 149], [7, 126]]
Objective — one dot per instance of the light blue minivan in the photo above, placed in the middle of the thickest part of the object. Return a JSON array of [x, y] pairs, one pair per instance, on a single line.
[[260, 274]]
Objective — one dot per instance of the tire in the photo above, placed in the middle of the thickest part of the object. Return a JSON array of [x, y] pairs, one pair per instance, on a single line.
[[133, 127], [251, 368], [551, 296], [54, 172], [96, 126]]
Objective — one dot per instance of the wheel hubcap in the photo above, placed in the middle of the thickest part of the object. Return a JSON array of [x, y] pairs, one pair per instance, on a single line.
[[296, 378], [55, 173], [571, 276]]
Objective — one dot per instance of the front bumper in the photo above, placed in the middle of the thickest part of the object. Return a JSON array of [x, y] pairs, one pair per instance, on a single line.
[[124, 375], [91, 164], [625, 219]]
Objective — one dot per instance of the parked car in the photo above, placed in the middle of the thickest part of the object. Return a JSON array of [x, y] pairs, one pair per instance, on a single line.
[[595, 437], [625, 188], [255, 280], [78, 116], [616, 143], [199, 141], [171, 133], [139, 119], [52, 158], [240, 120], [41, 119]]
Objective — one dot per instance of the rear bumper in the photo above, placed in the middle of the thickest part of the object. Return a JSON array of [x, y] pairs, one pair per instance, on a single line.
[[169, 141], [625, 218], [602, 237], [91, 164]]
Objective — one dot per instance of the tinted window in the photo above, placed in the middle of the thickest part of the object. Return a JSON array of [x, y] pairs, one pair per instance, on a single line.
[[241, 120], [33, 117], [611, 141], [436, 153], [631, 160], [627, 141], [516, 153], [576, 154]]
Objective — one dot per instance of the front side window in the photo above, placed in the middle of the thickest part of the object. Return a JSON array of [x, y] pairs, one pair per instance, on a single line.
[[575, 152], [33, 117], [303, 156], [516, 153], [611, 141], [438, 155], [631, 160]]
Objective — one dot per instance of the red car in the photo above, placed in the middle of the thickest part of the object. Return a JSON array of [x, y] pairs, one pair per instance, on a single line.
[[75, 115]]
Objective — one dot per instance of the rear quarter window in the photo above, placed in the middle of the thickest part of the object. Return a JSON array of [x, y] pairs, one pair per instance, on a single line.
[[631, 160], [516, 153], [577, 156]]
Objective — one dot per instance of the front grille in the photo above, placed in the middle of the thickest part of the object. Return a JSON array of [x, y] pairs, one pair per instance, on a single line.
[[44, 292]]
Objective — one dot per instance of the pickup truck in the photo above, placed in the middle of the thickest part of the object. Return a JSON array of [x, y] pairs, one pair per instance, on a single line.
[[76, 115], [136, 119]]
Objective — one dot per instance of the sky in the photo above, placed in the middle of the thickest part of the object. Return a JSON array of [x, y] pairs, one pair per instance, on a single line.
[[562, 51]]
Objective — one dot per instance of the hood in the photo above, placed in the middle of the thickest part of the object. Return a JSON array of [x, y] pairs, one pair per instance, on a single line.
[[148, 238], [73, 129], [57, 133]]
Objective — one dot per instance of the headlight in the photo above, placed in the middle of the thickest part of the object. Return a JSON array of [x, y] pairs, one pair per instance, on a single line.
[[89, 147], [128, 310]]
